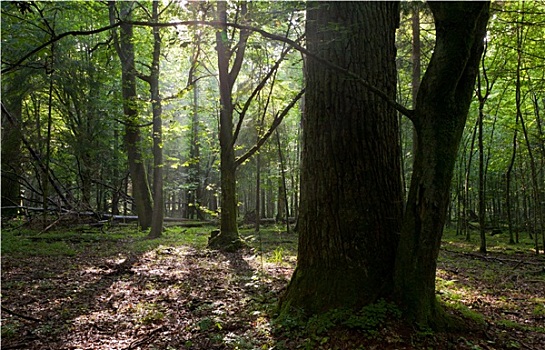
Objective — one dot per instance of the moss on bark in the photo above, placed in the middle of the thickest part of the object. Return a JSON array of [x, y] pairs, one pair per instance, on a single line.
[[316, 290], [226, 241], [440, 115]]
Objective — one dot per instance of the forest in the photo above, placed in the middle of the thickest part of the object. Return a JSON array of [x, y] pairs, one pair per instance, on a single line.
[[273, 175]]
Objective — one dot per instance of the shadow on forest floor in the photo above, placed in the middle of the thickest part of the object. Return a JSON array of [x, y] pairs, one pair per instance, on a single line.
[[117, 290]]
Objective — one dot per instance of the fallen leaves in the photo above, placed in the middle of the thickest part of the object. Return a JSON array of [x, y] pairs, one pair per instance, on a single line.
[[169, 297], [179, 297]]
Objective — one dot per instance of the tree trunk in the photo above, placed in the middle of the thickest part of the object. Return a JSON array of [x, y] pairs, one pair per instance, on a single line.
[[482, 183], [440, 115], [283, 190], [158, 199], [257, 192], [47, 156], [11, 156], [540, 206], [195, 181], [117, 181], [508, 201], [467, 201], [351, 199], [132, 140], [229, 238]]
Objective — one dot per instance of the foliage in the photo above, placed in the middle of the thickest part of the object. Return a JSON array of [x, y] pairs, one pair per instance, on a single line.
[[369, 321], [70, 104], [89, 163]]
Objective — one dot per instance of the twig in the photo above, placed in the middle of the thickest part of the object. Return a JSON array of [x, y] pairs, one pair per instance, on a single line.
[[51, 225], [28, 318], [20, 345], [145, 339]]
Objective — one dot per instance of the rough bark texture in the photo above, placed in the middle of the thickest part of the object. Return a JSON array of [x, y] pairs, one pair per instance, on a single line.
[[440, 115], [351, 199]]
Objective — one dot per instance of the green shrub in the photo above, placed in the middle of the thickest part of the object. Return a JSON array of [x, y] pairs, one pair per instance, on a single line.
[[370, 320]]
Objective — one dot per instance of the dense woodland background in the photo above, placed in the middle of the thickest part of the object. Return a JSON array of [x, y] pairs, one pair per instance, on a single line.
[[182, 117], [64, 133], [63, 146]]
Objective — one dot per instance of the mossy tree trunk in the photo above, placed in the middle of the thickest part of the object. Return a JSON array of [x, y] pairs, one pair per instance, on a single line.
[[351, 198], [439, 117]]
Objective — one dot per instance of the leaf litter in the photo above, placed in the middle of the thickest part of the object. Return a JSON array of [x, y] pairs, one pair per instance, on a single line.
[[183, 297]]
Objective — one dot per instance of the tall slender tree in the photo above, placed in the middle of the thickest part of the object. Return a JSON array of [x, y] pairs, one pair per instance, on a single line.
[[153, 81], [125, 49], [229, 237]]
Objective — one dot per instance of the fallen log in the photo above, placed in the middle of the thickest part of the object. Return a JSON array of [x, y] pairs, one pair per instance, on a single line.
[[493, 258]]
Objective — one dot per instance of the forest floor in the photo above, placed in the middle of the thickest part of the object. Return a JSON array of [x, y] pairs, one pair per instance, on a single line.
[[114, 289]]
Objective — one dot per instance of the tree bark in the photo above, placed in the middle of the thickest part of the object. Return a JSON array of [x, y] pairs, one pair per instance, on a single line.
[[158, 200], [440, 116], [228, 238], [132, 140], [351, 198]]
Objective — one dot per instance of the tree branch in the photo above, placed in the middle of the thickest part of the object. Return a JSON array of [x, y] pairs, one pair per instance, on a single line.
[[47, 172], [258, 88], [28, 318], [55, 39], [240, 49], [400, 108], [277, 120]]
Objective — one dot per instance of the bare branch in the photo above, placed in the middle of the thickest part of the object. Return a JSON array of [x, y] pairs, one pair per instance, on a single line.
[[258, 88], [277, 120], [400, 108], [54, 40]]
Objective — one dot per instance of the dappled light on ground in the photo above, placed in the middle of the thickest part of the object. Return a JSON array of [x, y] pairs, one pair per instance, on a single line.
[[131, 293]]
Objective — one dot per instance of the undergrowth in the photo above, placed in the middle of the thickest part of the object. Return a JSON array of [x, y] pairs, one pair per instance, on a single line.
[[230, 299], [318, 330], [26, 242]]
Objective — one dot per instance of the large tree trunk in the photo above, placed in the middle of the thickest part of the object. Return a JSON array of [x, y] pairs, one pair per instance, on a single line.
[[351, 198], [140, 186], [440, 115]]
